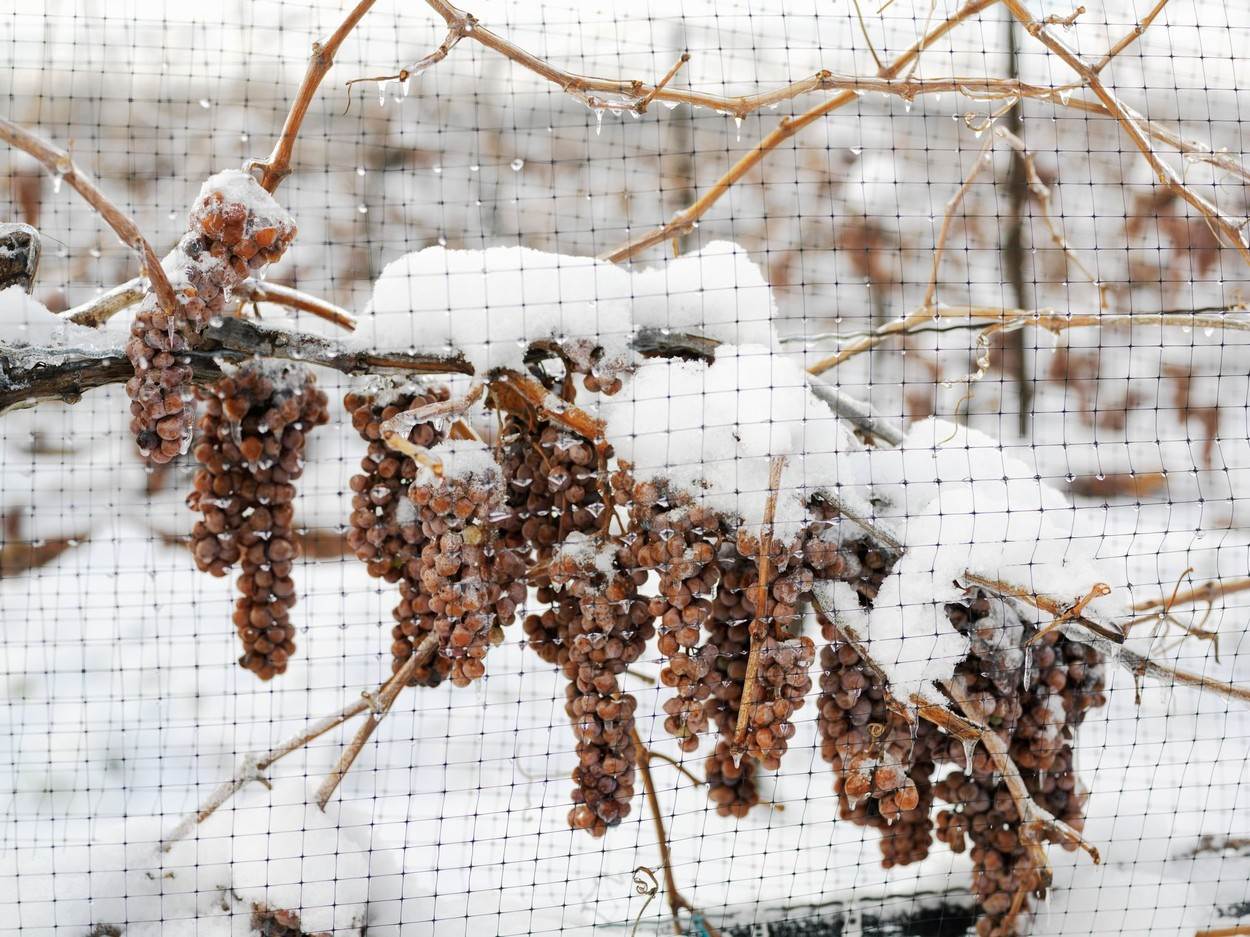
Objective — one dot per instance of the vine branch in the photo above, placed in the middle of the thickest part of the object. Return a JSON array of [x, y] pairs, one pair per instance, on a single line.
[[59, 162]]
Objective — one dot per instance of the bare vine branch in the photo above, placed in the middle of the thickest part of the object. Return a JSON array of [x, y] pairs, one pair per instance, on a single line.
[[59, 162], [1226, 228], [277, 166]]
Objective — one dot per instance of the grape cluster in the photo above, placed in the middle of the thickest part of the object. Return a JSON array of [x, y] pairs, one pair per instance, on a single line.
[[235, 229], [251, 451], [384, 533], [1057, 683], [554, 492], [730, 777], [885, 764], [608, 631], [679, 542], [459, 587]]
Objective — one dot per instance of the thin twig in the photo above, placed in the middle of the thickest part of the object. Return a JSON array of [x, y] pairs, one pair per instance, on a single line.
[[663, 82], [1224, 227], [1207, 592], [676, 902], [927, 309], [694, 778], [395, 430], [379, 705], [1041, 192], [1132, 36], [262, 291], [979, 317], [684, 221], [97, 311], [455, 33], [59, 162], [763, 560], [278, 165], [253, 768], [1102, 637]]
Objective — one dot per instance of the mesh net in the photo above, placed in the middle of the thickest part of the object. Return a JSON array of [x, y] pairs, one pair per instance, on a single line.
[[1000, 524]]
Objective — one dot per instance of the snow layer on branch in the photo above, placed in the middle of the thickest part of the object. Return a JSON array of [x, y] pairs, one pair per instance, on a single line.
[[985, 512], [713, 430], [25, 320], [241, 188], [492, 305]]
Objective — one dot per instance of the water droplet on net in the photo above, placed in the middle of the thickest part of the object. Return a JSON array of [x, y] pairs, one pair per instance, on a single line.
[[438, 170], [442, 242], [382, 94], [363, 209], [598, 121], [56, 183], [205, 103], [474, 168], [856, 150], [516, 164], [360, 170]]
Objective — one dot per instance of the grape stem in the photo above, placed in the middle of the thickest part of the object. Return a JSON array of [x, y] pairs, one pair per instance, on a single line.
[[759, 625], [676, 902]]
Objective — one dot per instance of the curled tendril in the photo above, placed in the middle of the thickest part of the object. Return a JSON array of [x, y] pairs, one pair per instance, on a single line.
[[645, 883]]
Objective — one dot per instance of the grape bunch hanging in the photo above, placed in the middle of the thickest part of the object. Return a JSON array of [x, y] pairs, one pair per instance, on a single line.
[[547, 521]]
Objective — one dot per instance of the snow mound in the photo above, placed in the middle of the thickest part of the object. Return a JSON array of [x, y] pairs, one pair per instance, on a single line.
[[27, 321], [982, 511], [492, 305], [712, 431]]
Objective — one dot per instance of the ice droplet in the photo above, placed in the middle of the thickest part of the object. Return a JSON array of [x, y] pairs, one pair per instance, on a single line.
[[438, 170], [474, 168], [56, 183], [360, 170], [382, 94], [970, 747], [205, 103], [738, 124], [442, 242], [516, 164], [856, 150], [363, 209], [598, 121]]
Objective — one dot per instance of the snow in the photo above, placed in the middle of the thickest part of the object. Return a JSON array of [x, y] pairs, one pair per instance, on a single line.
[[587, 552], [967, 506], [273, 851], [492, 305], [241, 188], [467, 459], [26, 321], [712, 431]]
